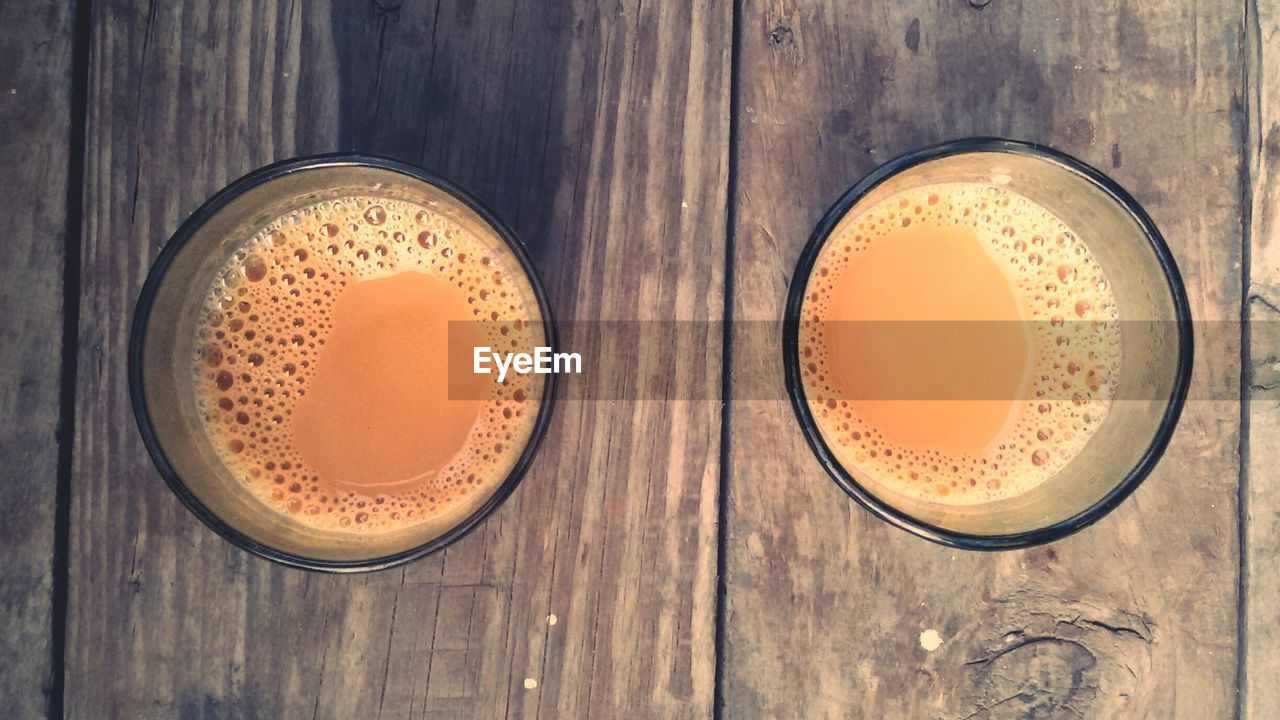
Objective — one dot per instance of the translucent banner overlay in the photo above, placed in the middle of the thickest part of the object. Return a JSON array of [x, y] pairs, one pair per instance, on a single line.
[[873, 360]]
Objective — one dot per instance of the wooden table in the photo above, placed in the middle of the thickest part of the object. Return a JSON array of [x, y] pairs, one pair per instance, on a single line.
[[662, 160]]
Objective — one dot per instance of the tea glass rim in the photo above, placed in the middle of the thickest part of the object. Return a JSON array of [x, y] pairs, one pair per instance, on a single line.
[[155, 279], [900, 518]]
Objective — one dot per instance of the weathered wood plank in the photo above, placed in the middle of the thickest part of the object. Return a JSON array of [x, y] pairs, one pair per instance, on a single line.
[[600, 133], [36, 50], [1259, 693], [1135, 617]]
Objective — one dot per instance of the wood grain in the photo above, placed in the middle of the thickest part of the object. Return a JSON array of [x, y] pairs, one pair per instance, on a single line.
[[1134, 617], [36, 42], [1261, 497], [600, 132]]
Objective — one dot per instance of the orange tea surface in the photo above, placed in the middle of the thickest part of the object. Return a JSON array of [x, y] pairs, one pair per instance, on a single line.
[[929, 292], [377, 417], [957, 343], [328, 371]]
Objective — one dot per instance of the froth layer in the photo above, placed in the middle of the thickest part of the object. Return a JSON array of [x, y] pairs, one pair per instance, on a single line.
[[262, 345], [1063, 302]]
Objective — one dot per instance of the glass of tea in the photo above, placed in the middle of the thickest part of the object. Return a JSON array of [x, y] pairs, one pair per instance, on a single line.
[[987, 343], [299, 362]]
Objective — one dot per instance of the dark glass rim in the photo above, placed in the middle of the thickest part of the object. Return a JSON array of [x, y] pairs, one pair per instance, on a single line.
[[142, 314], [903, 520]]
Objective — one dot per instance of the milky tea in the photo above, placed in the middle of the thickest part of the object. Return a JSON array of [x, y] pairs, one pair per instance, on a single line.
[[958, 343], [322, 365]]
